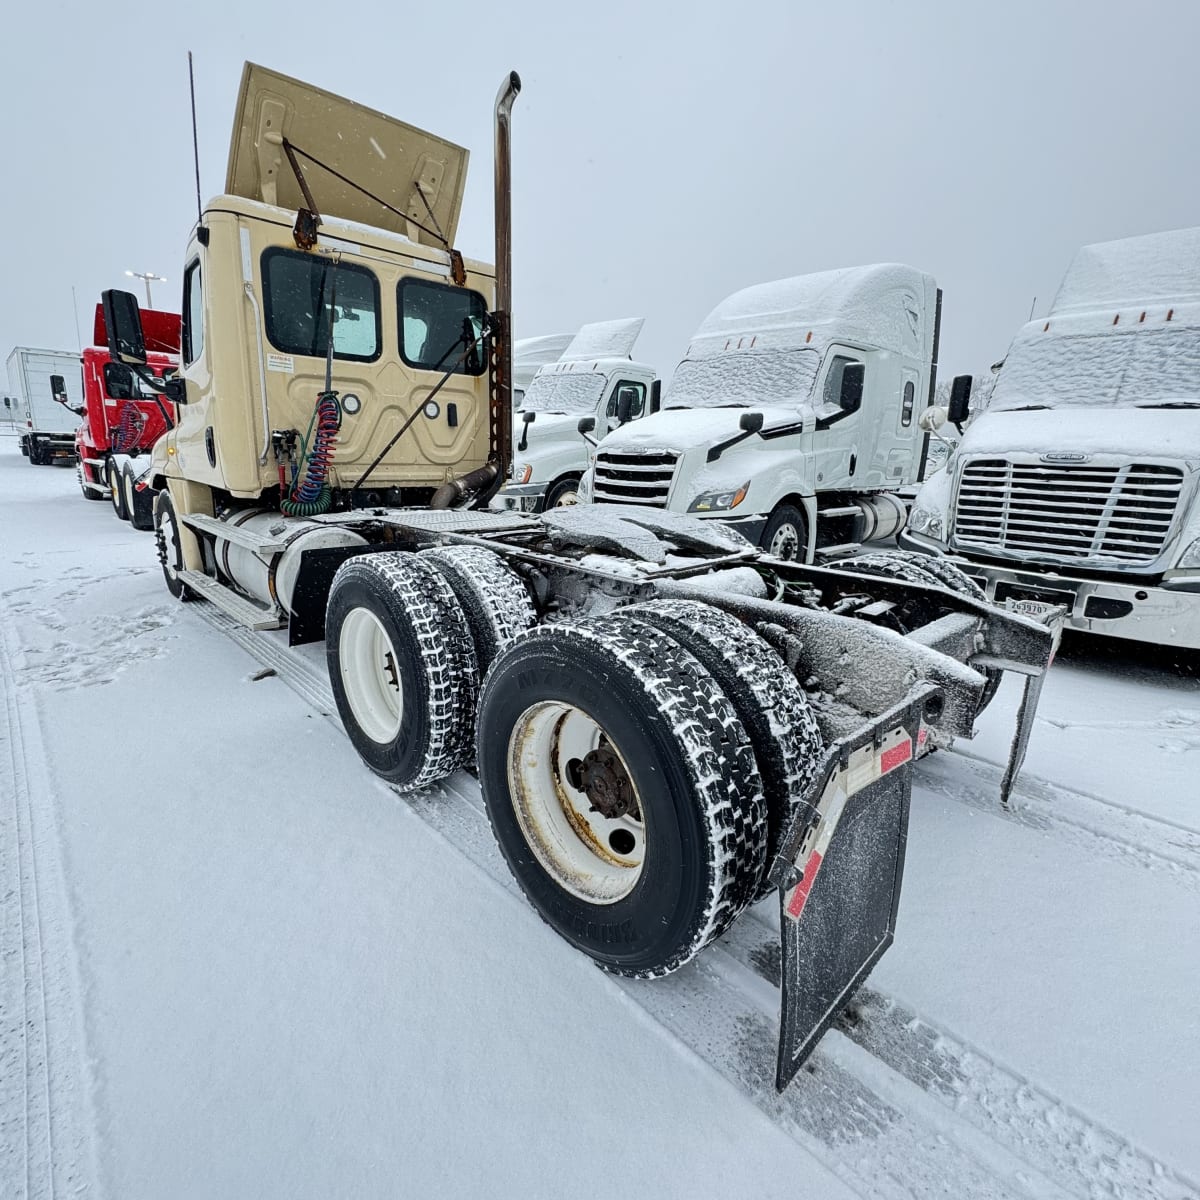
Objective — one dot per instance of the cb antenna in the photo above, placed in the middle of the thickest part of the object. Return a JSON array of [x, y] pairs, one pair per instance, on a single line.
[[195, 139]]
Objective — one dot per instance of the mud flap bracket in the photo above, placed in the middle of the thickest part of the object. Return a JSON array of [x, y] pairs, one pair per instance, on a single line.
[[838, 874]]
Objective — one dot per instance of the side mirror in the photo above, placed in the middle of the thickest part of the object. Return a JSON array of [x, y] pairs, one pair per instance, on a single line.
[[58, 389], [960, 400], [175, 390], [750, 422], [586, 425], [528, 417], [932, 419], [853, 376], [655, 396], [123, 323], [625, 398]]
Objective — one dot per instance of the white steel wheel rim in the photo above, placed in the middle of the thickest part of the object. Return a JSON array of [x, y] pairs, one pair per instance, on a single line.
[[598, 859], [785, 543], [128, 480], [114, 489], [567, 498], [371, 675]]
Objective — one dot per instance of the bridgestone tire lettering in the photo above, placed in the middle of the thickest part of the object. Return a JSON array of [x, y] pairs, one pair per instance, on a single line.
[[766, 696], [434, 660], [493, 596], [690, 761]]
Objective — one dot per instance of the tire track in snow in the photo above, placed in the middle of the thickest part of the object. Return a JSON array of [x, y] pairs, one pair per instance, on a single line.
[[46, 1146], [1089, 822], [893, 1105]]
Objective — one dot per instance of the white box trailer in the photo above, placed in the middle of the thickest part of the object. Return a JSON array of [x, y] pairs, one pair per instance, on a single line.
[[1080, 484], [47, 427]]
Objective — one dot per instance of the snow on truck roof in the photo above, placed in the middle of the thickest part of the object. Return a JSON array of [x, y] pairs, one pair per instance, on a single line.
[[881, 304], [1156, 268], [604, 339]]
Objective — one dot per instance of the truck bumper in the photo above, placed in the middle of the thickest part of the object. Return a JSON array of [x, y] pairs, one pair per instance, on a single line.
[[525, 497], [749, 527], [1164, 614]]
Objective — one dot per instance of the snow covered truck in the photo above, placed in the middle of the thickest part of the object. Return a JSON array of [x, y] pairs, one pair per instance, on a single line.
[[794, 416], [596, 377], [47, 425], [667, 726], [123, 417], [1079, 486]]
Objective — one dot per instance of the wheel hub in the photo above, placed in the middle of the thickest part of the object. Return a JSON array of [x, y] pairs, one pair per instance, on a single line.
[[602, 777]]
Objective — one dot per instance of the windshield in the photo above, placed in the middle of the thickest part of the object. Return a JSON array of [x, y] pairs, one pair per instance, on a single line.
[[1101, 370], [564, 393], [744, 378]]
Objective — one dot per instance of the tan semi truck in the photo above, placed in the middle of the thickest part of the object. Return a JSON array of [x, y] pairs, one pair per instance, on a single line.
[[667, 724]]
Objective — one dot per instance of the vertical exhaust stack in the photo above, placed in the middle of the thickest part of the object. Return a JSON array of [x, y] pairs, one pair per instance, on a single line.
[[501, 398], [485, 481]]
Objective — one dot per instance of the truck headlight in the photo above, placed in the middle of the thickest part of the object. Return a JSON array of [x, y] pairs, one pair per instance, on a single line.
[[1191, 556], [719, 501], [585, 488], [522, 472], [927, 521]]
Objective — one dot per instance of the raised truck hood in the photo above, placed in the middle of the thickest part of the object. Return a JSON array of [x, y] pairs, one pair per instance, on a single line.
[[682, 429], [1130, 434], [380, 154]]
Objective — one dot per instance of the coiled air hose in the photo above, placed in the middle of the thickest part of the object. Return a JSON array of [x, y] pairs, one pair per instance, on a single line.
[[311, 494], [128, 430]]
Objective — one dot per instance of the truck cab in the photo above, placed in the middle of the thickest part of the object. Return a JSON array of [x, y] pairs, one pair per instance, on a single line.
[[47, 413], [793, 416], [530, 355], [596, 378], [1079, 486]]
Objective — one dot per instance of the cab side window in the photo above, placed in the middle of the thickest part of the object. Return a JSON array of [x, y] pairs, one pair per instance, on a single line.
[[118, 381], [193, 314], [844, 384]]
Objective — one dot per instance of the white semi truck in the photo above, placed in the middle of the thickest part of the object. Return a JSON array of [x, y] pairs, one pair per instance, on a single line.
[[47, 426], [794, 416], [594, 377], [666, 724], [530, 355], [1080, 485]]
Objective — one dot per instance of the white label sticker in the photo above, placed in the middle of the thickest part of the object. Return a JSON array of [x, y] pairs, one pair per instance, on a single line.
[[281, 362]]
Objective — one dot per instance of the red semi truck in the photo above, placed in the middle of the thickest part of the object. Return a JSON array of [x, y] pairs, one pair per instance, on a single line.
[[122, 418]]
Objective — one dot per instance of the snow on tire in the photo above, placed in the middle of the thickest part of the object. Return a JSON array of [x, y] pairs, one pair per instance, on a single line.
[[402, 667], [493, 596], [622, 791], [766, 696]]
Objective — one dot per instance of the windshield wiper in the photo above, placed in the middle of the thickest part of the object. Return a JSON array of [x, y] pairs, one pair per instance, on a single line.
[[1026, 408], [1171, 404]]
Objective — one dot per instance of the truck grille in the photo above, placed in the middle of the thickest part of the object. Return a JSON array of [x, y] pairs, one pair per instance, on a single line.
[[1119, 515], [630, 478]]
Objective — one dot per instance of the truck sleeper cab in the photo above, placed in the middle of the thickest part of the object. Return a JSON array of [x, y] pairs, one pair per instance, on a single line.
[[1080, 484], [793, 416], [595, 377]]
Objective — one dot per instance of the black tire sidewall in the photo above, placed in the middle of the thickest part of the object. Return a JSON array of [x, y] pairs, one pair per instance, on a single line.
[[655, 923], [402, 758], [557, 489], [786, 514], [166, 527]]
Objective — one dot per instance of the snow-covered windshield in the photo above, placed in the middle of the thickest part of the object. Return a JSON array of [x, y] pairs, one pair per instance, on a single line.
[[745, 377], [1101, 370], [554, 393]]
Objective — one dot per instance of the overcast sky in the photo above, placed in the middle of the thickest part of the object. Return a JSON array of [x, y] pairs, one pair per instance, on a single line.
[[665, 155]]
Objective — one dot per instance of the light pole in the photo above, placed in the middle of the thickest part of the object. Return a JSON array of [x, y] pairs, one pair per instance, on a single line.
[[145, 277]]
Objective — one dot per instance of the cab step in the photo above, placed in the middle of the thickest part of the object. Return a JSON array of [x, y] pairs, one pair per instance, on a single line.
[[841, 510], [262, 547], [828, 553], [229, 602]]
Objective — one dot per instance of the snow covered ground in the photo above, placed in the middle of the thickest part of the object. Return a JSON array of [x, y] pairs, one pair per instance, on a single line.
[[232, 963]]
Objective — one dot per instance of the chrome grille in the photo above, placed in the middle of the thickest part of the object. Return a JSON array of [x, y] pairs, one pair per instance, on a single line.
[[1119, 515], [630, 478]]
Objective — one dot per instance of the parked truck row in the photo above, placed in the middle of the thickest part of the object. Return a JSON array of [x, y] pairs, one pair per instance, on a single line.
[[666, 722]]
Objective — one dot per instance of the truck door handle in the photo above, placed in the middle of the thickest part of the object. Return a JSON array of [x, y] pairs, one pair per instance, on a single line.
[[853, 462]]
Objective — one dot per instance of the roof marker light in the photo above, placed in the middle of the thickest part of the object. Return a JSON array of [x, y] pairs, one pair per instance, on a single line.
[[808, 338]]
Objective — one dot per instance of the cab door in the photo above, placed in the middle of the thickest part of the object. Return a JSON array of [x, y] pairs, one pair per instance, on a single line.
[[635, 389], [837, 440], [197, 451]]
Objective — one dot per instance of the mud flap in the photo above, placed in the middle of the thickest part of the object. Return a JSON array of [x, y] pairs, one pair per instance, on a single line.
[[839, 872]]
